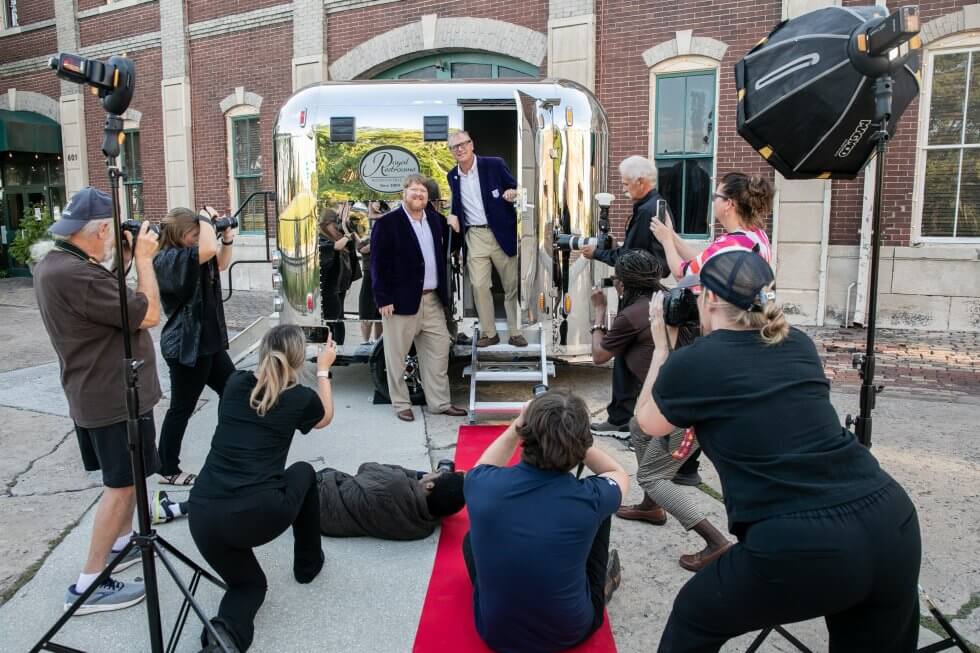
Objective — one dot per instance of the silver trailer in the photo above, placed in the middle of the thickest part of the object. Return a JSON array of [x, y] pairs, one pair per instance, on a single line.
[[342, 145]]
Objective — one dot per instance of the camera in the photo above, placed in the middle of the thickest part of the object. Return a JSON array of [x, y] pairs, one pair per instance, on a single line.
[[446, 465], [572, 242], [681, 307], [133, 227], [226, 222]]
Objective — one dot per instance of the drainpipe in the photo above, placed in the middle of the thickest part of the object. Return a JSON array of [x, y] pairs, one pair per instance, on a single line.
[[864, 250], [824, 252]]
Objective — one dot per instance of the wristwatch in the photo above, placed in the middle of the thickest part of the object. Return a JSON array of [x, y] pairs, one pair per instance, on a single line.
[[325, 374]]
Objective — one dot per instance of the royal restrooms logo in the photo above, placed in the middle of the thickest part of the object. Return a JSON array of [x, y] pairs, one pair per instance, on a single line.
[[384, 168], [847, 146]]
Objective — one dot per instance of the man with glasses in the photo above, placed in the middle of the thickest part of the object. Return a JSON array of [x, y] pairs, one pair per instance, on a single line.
[[482, 206]]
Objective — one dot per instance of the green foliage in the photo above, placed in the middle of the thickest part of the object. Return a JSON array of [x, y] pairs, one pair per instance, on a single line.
[[31, 230]]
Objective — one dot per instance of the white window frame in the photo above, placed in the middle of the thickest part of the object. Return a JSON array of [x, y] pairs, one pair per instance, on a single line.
[[693, 63], [238, 111], [3, 15], [963, 42]]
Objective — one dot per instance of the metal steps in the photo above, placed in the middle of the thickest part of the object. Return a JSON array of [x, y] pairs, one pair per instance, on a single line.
[[504, 363]]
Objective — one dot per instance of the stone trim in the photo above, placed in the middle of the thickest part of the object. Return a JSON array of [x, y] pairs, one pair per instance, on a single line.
[[14, 100], [336, 6], [967, 18], [452, 34], [115, 5], [20, 29], [31, 65], [684, 44], [558, 9], [129, 44], [134, 117], [240, 22], [240, 97]]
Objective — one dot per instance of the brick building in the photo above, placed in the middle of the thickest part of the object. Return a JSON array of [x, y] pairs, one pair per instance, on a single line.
[[212, 75]]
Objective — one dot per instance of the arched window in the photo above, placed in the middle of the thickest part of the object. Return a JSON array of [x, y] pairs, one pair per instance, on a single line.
[[462, 65]]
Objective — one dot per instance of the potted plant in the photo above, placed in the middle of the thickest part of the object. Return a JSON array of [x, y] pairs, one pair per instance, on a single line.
[[32, 231]]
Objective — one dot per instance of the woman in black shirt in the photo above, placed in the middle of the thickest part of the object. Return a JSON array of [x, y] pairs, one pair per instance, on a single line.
[[245, 496], [822, 529], [194, 341], [338, 270]]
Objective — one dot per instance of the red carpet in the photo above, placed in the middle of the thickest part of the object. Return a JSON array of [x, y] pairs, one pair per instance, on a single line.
[[447, 622]]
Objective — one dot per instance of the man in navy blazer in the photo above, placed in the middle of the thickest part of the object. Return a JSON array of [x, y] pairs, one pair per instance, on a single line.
[[484, 191], [408, 273]]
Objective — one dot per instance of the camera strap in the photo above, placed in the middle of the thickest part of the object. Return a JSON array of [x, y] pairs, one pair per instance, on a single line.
[[69, 248]]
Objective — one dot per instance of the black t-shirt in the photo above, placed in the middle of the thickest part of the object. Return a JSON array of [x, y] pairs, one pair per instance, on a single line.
[[248, 452], [763, 416], [212, 332]]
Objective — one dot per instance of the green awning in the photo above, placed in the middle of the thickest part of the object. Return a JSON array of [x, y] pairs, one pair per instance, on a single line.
[[26, 131]]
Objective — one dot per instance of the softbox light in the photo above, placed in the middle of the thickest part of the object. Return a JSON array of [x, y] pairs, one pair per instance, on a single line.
[[804, 106]]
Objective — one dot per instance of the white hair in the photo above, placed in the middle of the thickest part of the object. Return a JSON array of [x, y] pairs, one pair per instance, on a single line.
[[92, 226], [638, 167]]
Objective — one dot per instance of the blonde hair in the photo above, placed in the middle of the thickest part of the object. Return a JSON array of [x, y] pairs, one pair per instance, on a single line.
[[175, 225], [770, 322], [281, 356]]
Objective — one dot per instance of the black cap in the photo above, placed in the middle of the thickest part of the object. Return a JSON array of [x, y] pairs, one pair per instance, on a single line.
[[740, 278]]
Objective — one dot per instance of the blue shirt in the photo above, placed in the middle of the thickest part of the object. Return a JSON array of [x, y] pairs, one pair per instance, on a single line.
[[531, 531]]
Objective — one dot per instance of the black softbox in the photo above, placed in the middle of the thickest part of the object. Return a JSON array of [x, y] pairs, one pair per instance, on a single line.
[[802, 104]]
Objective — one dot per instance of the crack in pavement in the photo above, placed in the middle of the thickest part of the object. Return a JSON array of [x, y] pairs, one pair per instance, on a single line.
[[12, 484]]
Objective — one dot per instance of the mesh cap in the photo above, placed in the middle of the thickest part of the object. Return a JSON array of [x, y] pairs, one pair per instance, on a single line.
[[740, 278]]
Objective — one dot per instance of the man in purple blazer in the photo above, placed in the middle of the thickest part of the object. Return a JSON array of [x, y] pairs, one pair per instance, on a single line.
[[408, 273], [484, 191]]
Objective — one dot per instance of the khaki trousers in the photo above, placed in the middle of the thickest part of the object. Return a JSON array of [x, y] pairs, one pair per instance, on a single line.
[[427, 329], [482, 252]]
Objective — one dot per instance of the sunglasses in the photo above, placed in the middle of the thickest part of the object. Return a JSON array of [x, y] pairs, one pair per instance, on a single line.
[[459, 146], [719, 196]]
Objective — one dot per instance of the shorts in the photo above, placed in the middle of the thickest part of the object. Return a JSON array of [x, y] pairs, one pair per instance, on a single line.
[[107, 448]]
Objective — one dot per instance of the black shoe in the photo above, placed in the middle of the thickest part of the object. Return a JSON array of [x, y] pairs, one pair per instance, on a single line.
[[304, 576], [211, 646], [693, 479], [608, 427], [614, 574], [463, 339]]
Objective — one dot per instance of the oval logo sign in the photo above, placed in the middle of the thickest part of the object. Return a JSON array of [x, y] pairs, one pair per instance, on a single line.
[[384, 168]]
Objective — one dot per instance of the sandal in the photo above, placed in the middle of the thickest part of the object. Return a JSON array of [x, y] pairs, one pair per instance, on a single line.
[[180, 478]]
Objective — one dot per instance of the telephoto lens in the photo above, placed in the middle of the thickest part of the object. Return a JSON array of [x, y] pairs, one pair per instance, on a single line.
[[220, 224], [133, 227]]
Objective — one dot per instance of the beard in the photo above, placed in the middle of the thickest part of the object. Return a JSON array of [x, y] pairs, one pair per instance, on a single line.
[[109, 256]]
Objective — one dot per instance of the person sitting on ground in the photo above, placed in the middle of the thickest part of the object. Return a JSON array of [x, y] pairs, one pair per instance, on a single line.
[[245, 496], [538, 547], [657, 460], [387, 501]]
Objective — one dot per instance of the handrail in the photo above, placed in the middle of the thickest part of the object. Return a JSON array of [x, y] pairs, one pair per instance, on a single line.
[[269, 196]]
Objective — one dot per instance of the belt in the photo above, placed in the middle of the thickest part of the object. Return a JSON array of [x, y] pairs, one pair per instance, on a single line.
[[477, 226], [430, 290]]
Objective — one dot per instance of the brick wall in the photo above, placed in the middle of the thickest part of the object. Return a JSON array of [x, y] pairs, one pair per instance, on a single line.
[[90, 4], [217, 68], [28, 45], [626, 28], [119, 24], [200, 10], [34, 11], [349, 29], [146, 100], [44, 82], [896, 210]]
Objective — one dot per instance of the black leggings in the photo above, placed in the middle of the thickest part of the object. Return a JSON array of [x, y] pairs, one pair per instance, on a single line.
[[226, 530], [856, 565], [186, 386], [595, 572]]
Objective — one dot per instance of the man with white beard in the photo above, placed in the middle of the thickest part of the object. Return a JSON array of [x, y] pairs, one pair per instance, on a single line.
[[78, 297]]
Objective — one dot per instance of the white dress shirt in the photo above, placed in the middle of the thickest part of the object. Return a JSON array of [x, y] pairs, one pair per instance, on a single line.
[[469, 188], [428, 246]]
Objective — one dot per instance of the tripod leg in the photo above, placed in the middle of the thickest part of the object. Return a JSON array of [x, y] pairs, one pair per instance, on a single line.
[[189, 597], [190, 563], [757, 642], [792, 640]]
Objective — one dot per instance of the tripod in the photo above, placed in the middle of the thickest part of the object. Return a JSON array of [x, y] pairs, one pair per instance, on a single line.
[[146, 538]]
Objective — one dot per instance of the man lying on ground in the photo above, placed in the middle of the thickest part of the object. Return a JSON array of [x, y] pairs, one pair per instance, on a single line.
[[387, 501]]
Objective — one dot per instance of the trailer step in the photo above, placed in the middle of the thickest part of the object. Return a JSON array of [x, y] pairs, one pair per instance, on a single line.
[[498, 407], [509, 372]]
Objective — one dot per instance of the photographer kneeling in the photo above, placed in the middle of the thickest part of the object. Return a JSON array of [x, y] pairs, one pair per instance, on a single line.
[[194, 341], [822, 529], [538, 547], [245, 496], [657, 459]]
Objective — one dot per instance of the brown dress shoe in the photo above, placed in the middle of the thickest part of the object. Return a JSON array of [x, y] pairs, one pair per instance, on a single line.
[[486, 341], [455, 411], [406, 415], [656, 516], [697, 561], [518, 341]]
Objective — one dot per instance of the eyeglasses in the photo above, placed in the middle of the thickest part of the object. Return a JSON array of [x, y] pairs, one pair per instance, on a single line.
[[719, 196], [459, 146]]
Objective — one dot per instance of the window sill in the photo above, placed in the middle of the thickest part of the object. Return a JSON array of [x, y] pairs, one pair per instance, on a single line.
[[21, 29], [111, 6]]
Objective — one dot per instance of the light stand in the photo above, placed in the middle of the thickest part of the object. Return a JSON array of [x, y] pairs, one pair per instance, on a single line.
[[114, 80]]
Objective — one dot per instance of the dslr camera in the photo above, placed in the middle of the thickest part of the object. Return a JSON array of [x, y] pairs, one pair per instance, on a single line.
[[571, 242], [133, 227], [681, 308]]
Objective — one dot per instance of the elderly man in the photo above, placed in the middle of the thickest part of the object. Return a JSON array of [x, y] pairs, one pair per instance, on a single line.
[[408, 272], [78, 297], [639, 177], [483, 194]]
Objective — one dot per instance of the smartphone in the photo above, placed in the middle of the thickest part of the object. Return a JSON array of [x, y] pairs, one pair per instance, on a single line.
[[662, 210]]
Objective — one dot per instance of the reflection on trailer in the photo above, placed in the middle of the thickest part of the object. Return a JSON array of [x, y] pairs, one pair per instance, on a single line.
[[343, 146]]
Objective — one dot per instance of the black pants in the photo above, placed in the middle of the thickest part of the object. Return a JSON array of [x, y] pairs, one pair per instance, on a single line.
[[333, 309], [225, 532], [625, 389], [856, 565], [186, 386], [595, 571]]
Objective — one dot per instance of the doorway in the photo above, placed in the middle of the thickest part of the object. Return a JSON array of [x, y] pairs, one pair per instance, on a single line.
[[32, 185]]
